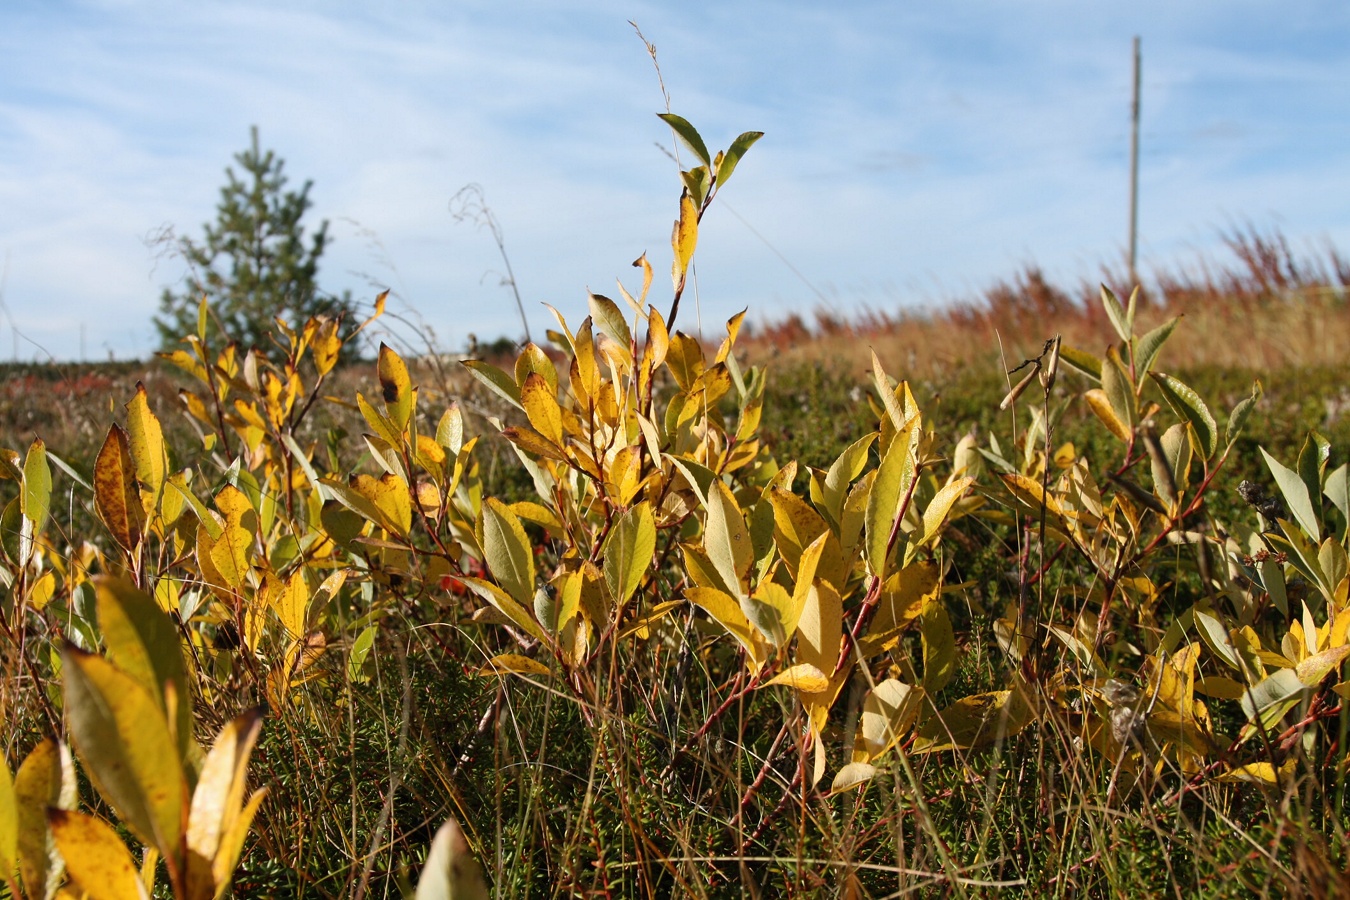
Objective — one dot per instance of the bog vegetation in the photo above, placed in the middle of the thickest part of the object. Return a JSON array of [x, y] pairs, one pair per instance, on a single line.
[[635, 615]]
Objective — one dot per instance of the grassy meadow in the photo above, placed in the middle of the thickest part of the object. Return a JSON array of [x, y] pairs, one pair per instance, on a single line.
[[1082, 700]]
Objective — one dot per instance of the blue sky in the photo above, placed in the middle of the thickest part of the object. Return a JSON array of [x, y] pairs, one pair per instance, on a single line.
[[914, 152]]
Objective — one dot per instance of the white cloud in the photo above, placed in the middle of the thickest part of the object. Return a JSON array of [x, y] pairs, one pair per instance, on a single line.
[[912, 152]]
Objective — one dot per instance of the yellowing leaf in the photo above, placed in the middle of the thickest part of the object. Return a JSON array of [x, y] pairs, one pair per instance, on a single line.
[[628, 552], [395, 387], [451, 871], [803, 676], [939, 507], [512, 662], [122, 738], [97, 860], [1100, 405], [685, 360], [541, 407], [143, 642], [115, 496], [45, 779], [852, 775], [513, 612], [973, 721], [894, 478], [534, 361], [939, 648], [390, 498], [508, 551], [726, 611], [683, 240], [35, 501], [726, 540], [888, 712], [217, 801], [290, 602]]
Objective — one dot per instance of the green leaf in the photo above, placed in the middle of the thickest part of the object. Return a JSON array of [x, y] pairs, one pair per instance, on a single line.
[[1081, 360], [496, 380], [1147, 347], [847, 467], [1215, 637], [1312, 462], [893, 478], [1116, 313], [123, 740], [1119, 393], [726, 540], [688, 134], [1338, 489], [1187, 404], [734, 153], [1282, 685], [1238, 419], [37, 486], [508, 551], [628, 552], [515, 612], [356, 659], [1295, 494], [607, 316], [696, 182]]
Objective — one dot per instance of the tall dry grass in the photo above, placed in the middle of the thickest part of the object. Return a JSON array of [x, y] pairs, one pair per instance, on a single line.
[[1262, 306]]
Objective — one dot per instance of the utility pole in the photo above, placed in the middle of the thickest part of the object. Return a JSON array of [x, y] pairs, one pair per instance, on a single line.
[[1134, 172]]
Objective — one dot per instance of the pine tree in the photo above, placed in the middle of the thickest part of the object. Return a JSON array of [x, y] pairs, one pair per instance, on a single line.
[[254, 263]]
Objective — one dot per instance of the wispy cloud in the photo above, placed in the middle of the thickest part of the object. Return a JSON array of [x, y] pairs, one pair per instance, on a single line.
[[912, 151]]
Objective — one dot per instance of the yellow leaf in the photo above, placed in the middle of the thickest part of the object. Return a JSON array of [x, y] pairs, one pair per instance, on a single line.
[[684, 358], [888, 712], [533, 360], [1101, 406], [726, 611], [97, 860], [45, 779], [1259, 773], [726, 540], [124, 742], [451, 871], [852, 775], [541, 407], [683, 239], [390, 498], [513, 662], [326, 344], [395, 387], [973, 721], [803, 676], [290, 602], [820, 629]]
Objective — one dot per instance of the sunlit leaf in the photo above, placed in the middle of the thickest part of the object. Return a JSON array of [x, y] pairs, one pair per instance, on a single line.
[[628, 552], [395, 387], [803, 676], [688, 134], [45, 780], [116, 499], [451, 871], [96, 859], [683, 240], [734, 153], [1295, 494], [123, 740], [1187, 404]]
